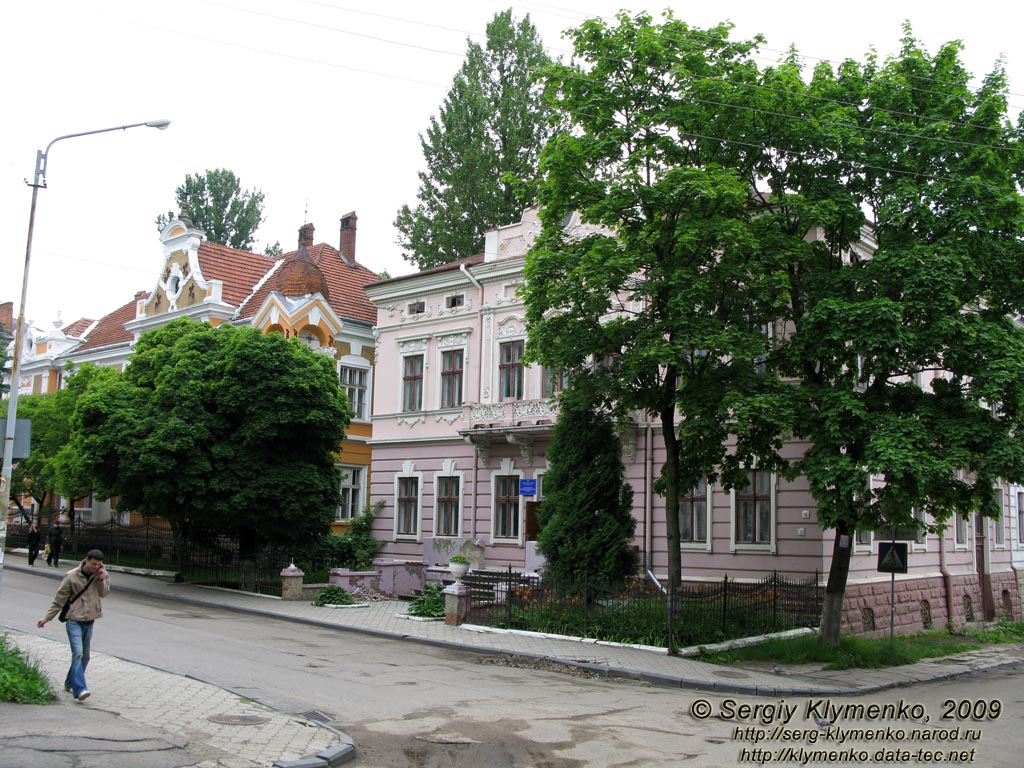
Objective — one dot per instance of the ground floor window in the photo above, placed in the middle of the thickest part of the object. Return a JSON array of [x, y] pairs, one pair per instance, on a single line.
[[407, 512], [693, 515], [506, 507], [350, 502], [449, 493], [754, 509]]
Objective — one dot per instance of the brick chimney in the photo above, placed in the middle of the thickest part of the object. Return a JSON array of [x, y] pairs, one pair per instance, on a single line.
[[347, 248], [306, 235], [7, 317]]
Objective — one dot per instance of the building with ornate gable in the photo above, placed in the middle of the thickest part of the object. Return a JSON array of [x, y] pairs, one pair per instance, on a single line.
[[314, 293]]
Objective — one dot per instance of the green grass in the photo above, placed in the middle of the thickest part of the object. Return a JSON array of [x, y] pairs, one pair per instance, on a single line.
[[21, 682], [859, 652]]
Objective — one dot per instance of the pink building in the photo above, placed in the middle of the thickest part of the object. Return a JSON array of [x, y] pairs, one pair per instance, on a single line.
[[459, 422]]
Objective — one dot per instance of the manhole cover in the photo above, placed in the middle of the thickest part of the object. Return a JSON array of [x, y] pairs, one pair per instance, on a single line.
[[238, 719]]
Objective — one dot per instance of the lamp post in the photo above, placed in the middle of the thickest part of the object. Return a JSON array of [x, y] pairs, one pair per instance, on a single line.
[[39, 181]]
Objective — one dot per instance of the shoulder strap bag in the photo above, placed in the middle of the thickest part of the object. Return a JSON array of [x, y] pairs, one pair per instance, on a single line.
[[63, 616]]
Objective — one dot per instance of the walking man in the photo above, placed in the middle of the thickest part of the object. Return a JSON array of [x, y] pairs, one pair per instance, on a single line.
[[55, 538], [83, 588]]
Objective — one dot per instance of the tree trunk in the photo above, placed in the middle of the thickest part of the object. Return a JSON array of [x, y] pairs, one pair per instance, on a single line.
[[835, 589], [675, 560], [247, 548]]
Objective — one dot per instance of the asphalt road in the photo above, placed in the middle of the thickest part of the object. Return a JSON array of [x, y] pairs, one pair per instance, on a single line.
[[407, 704]]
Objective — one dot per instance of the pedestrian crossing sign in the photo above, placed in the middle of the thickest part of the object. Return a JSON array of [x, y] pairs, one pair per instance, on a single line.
[[892, 557]]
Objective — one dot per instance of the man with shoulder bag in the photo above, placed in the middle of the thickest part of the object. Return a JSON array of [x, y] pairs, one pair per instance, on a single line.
[[79, 603]]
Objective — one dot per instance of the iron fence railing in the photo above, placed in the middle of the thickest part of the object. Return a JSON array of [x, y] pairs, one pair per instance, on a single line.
[[147, 544], [640, 612], [219, 561]]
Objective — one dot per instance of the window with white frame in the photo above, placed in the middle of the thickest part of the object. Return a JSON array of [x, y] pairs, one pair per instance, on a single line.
[[407, 507], [921, 532], [960, 530], [1020, 517], [350, 502], [754, 511], [455, 300], [353, 381], [506, 506], [999, 527], [510, 370], [412, 383], [447, 505], [452, 364], [693, 514]]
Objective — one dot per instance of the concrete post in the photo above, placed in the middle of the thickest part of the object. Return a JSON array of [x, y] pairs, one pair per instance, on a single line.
[[291, 583], [456, 603]]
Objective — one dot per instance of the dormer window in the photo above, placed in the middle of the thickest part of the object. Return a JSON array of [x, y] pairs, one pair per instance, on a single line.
[[456, 300], [416, 308]]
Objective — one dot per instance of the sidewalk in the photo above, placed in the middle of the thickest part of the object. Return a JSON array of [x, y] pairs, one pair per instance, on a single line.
[[383, 619]]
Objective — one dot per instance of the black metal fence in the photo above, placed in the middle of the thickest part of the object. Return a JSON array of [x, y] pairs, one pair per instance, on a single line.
[[143, 545], [640, 612], [218, 561]]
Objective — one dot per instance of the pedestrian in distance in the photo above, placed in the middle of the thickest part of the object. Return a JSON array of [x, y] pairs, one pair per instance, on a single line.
[[79, 602], [55, 540], [34, 538]]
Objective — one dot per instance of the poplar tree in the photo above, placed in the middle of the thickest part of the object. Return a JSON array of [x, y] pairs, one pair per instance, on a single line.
[[481, 151]]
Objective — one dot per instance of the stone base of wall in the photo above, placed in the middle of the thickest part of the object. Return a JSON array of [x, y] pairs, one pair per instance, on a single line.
[[921, 604], [390, 577]]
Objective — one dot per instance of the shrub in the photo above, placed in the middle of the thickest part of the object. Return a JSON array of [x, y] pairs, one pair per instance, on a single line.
[[21, 681], [459, 558], [429, 603], [333, 595]]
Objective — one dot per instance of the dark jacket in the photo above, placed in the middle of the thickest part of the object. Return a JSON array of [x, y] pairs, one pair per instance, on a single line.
[[33, 539], [55, 538]]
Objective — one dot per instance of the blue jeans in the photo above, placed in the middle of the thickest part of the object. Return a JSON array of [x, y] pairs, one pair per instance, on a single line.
[[80, 637]]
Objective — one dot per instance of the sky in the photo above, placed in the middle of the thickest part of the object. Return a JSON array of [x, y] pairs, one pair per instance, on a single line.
[[317, 103]]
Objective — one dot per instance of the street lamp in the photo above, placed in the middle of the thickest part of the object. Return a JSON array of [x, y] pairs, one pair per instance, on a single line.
[[12, 398]]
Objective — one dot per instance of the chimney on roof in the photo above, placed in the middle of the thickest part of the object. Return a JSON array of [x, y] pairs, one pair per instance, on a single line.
[[6, 317], [347, 248], [306, 235]]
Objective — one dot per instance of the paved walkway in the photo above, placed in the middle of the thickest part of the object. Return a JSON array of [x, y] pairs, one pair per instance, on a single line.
[[285, 737]]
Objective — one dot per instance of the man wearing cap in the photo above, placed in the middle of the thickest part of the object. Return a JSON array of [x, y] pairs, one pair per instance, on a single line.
[[84, 586]]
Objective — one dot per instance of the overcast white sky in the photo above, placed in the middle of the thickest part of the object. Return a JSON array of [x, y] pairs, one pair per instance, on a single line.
[[318, 103]]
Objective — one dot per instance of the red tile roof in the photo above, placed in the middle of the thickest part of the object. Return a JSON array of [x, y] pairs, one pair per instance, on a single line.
[[240, 271], [110, 329], [77, 328], [345, 284]]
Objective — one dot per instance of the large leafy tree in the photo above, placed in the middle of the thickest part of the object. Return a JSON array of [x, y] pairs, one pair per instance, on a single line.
[[216, 203], [861, 312], [662, 304], [481, 152], [220, 430], [40, 474], [586, 519], [909, 366]]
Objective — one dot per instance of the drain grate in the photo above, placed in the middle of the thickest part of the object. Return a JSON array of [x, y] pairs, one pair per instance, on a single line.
[[319, 716], [238, 719]]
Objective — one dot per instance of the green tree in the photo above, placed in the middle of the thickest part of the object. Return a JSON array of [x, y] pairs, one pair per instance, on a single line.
[[933, 295], [481, 154], [216, 203], [669, 290], [219, 430], [586, 518], [40, 474]]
